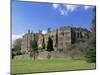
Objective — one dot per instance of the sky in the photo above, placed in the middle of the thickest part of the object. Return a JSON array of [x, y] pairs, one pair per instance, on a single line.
[[41, 16]]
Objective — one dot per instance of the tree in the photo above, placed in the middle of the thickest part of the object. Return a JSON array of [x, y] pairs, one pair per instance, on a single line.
[[91, 55], [91, 51], [56, 45], [17, 44], [33, 48], [92, 40], [17, 47], [50, 46], [13, 54], [77, 50]]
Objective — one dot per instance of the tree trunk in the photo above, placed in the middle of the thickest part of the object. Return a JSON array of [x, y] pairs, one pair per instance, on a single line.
[[49, 55], [34, 56]]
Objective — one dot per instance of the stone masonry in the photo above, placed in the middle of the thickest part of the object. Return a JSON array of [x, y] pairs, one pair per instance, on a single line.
[[62, 37]]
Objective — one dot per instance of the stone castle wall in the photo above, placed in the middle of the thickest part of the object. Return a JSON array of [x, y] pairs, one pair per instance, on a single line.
[[62, 37]]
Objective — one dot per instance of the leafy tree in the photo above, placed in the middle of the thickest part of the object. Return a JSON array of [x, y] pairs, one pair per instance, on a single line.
[[92, 40], [17, 47], [91, 55], [13, 54], [91, 51], [49, 46], [33, 49], [77, 50], [17, 44], [56, 45]]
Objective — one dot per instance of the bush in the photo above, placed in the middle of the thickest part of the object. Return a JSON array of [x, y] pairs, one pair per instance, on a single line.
[[18, 52], [60, 50], [91, 55]]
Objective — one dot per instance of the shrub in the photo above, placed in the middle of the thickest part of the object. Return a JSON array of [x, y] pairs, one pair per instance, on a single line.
[[91, 55]]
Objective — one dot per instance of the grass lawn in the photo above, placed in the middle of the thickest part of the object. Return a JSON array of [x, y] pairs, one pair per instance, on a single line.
[[27, 66]]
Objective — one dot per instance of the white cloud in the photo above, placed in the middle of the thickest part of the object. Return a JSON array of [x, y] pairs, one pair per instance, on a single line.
[[55, 5], [86, 7], [71, 8], [65, 9], [16, 36], [44, 31], [68, 8], [62, 12]]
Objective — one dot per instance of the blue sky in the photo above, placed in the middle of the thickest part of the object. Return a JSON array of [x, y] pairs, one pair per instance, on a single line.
[[40, 16]]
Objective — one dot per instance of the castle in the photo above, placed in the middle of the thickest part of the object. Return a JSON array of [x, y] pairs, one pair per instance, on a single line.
[[62, 38]]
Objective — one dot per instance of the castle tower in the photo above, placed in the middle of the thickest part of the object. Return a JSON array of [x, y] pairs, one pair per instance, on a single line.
[[29, 31], [40, 31], [49, 30]]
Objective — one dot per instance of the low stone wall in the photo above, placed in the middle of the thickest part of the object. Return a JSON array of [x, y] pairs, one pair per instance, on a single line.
[[20, 57], [44, 55]]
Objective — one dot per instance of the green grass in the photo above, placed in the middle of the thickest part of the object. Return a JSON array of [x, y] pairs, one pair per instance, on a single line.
[[27, 66]]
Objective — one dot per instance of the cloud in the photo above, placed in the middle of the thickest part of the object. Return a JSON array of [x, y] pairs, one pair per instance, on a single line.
[[68, 8], [86, 7], [65, 9], [44, 31], [71, 8], [55, 5], [16, 36]]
